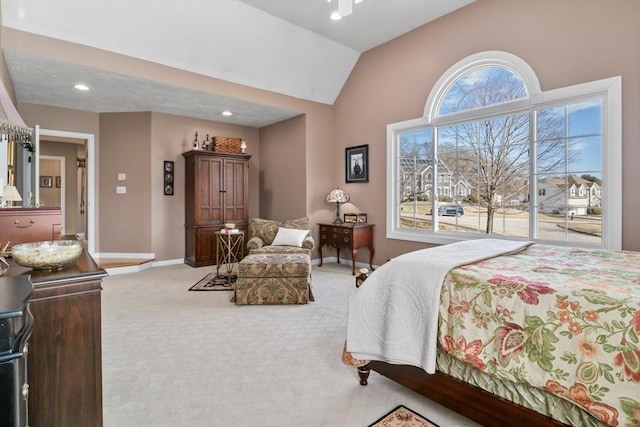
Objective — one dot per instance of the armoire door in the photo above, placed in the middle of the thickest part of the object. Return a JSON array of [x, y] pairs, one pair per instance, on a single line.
[[209, 191], [236, 198]]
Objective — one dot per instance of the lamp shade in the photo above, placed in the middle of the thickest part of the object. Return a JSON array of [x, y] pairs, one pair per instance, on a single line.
[[337, 196], [11, 194]]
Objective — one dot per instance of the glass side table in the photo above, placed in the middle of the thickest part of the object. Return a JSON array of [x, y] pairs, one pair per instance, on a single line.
[[229, 249]]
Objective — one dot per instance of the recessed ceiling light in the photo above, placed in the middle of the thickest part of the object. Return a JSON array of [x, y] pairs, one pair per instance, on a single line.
[[81, 86], [227, 113], [336, 16]]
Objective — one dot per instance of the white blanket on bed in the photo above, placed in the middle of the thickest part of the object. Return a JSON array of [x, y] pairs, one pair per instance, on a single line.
[[393, 317]]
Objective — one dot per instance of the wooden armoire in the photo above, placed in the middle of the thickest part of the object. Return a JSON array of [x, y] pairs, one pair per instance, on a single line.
[[216, 193]]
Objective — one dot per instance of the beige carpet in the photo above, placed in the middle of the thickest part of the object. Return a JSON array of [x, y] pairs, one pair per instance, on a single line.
[[175, 358], [401, 416]]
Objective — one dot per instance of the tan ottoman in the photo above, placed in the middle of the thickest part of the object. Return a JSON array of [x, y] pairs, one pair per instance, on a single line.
[[274, 279]]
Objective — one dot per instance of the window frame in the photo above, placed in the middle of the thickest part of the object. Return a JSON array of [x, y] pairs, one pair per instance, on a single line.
[[610, 92]]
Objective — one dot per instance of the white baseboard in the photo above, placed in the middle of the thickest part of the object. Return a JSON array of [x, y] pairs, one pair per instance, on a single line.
[[168, 262], [342, 262], [128, 269], [135, 255], [141, 267]]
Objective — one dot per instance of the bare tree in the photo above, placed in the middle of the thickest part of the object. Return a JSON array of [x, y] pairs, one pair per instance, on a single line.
[[493, 153]]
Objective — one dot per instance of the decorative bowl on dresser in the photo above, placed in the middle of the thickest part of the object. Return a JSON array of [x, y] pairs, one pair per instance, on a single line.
[[47, 255]]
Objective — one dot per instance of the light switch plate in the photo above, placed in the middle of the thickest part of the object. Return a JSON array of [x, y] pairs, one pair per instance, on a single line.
[[121, 189], [122, 176]]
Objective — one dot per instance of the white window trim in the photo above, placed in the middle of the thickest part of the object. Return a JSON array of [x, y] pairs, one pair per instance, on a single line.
[[609, 89]]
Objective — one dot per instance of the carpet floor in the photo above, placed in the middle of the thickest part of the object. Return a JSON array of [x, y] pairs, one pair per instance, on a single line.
[[177, 358]]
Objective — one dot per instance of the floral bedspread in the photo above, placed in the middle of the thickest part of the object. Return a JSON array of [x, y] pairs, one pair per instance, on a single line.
[[563, 319]]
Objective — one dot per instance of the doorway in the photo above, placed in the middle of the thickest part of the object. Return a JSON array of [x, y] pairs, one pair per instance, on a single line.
[[78, 181]]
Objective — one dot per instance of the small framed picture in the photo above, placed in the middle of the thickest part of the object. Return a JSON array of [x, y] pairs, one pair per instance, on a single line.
[[46, 181], [355, 218], [58, 182], [357, 164], [350, 218]]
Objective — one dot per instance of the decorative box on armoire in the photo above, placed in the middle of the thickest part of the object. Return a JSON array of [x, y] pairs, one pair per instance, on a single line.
[[216, 193]]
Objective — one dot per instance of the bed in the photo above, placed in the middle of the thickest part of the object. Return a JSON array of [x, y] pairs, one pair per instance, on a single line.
[[506, 333]]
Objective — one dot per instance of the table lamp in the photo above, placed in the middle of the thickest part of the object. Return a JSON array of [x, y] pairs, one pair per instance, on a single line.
[[338, 197], [11, 195]]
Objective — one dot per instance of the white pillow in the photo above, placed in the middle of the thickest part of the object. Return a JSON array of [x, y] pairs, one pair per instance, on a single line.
[[289, 237]]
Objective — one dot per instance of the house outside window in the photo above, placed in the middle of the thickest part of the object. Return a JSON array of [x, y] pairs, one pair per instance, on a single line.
[[520, 153]]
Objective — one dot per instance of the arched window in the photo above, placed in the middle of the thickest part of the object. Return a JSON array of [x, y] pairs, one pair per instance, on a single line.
[[488, 124], [482, 87]]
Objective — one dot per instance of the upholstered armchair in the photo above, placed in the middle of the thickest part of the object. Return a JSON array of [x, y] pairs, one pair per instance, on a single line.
[[277, 237]]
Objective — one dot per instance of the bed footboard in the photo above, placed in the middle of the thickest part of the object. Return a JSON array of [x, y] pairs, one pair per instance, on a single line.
[[472, 402]]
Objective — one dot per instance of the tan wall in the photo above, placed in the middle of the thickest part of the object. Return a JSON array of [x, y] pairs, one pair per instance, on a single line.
[[283, 168], [63, 119], [566, 42], [170, 137], [125, 222], [296, 178], [321, 146]]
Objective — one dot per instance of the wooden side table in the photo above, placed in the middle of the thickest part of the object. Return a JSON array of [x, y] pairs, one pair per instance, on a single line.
[[350, 236]]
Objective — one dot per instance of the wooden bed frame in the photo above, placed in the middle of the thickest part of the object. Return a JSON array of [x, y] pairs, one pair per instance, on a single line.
[[474, 403]]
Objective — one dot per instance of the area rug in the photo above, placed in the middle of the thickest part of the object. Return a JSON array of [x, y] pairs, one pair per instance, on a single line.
[[211, 282], [401, 416]]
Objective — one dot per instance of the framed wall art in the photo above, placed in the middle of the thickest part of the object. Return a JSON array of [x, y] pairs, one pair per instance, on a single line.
[[46, 181], [357, 164], [167, 171], [58, 182]]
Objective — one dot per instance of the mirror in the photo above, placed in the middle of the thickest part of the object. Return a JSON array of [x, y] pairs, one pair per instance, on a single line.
[[17, 154]]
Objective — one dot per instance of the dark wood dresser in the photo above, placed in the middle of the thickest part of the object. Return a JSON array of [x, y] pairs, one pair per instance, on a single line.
[[348, 236], [64, 362], [16, 324]]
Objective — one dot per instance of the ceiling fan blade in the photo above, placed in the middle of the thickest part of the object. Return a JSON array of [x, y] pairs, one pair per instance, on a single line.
[[345, 7]]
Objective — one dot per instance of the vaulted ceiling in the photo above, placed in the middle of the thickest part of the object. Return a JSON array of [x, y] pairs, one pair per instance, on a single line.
[[283, 46]]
